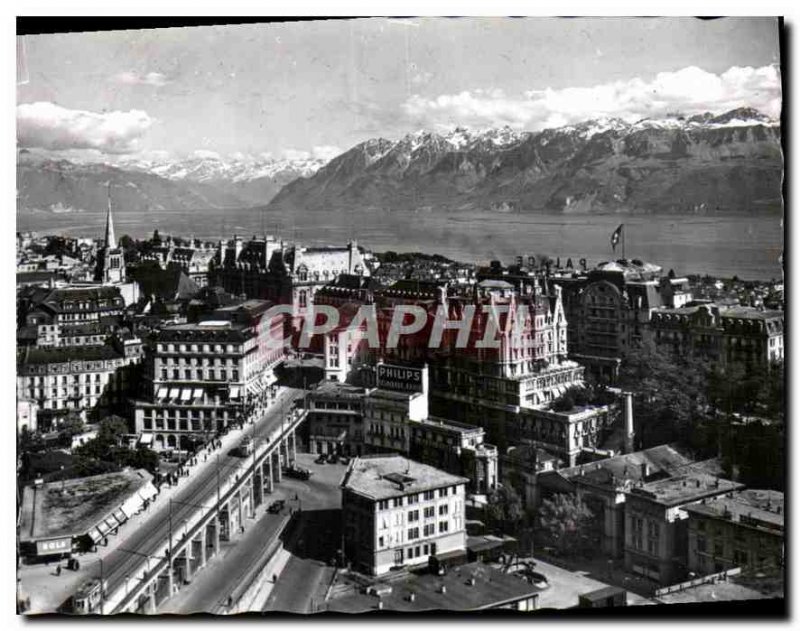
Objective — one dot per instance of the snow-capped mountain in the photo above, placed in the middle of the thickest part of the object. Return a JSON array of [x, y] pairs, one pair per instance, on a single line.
[[730, 161], [196, 182]]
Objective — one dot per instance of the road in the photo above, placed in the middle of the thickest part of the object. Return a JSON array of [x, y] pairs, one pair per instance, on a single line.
[[302, 584], [201, 491], [317, 497]]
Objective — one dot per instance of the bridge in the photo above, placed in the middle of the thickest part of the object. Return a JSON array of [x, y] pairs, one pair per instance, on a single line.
[[184, 535]]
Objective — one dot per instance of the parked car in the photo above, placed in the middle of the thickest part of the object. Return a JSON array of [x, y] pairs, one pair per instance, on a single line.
[[276, 506], [344, 460], [538, 579], [321, 459], [298, 472], [333, 458]]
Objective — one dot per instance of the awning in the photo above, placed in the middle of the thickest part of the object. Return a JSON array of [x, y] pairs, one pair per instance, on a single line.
[[120, 516], [162, 393], [174, 393], [146, 439], [95, 535], [198, 393], [235, 392], [186, 394]]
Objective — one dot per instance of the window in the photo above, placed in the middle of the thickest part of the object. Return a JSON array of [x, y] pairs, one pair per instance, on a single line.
[[412, 499], [380, 542], [428, 495], [413, 515], [429, 530], [430, 511], [398, 501], [413, 533], [701, 544], [443, 526], [383, 504], [718, 550], [443, 509], [740, 557]]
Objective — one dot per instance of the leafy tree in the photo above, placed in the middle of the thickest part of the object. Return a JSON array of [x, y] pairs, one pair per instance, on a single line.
[[670, 393], [505, 508], [563, 403], [566, 522], [111, 429]]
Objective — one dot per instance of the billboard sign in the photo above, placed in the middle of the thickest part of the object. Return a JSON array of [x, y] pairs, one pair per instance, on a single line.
[[400, 378], [54, 546]]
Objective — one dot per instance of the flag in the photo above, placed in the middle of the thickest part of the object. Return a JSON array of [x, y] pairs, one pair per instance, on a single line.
[[615, 237]]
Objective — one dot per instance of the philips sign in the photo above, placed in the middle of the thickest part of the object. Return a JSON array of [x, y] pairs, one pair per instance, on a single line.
[[400, 378]]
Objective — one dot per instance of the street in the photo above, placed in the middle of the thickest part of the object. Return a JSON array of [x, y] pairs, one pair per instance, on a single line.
[[319, 500], [125, 555], [302, 584]]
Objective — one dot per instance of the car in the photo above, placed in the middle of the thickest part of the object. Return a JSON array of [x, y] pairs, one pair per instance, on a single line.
[[538, 580], [321, 459], [344, 460], [276, 506], [333, 458], [298, 472]]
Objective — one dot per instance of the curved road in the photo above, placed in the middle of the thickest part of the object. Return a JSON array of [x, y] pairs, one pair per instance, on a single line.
[[127, 559]]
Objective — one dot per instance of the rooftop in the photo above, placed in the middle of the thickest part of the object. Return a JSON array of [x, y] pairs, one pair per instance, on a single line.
[[491, 588], [446, 423], [73, 507], [385, 476], [392, 395], [663, 460], [329, 388], [686, 487], [761, 509], [735, 588], [65, 354]]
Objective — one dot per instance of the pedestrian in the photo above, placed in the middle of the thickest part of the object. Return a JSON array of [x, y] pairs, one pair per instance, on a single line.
[[58, 570], [274, 578]]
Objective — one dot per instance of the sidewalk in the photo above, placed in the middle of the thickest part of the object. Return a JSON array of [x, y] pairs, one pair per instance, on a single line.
[[47, 591]]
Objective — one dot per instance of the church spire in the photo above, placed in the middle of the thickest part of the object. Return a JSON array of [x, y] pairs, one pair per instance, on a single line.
[[111, 240]]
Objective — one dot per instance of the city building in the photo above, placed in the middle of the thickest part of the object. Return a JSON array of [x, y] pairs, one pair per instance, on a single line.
[[656, 522], [336, 419], [59, 518], [26, 414], [193, 257], [470, 587], [603, 485], [457, 448], [285, 274], [87, 380], [608, 310], [202, 377], [743, 529], [748, 336], [397, 513]]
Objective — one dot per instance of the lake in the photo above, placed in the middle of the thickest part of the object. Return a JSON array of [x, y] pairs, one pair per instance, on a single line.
[[720, 245]]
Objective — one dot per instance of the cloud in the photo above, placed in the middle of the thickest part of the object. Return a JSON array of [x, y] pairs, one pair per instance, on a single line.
[[325, 152], [50, 126], [689, 91], [133, 78], [205, 154], [320, 152]]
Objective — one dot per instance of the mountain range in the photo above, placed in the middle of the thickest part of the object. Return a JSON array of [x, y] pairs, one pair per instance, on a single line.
[[727, 162]]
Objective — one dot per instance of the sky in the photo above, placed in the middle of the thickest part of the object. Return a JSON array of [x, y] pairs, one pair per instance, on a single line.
[[317, 88]]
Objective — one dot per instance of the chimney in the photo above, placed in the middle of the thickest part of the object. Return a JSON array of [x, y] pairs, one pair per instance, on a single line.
[[628, 412]]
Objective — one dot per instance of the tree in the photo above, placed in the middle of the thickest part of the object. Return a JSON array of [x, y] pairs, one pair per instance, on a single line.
[[111, 430], [566, 522], [670, 393], [505, 508]]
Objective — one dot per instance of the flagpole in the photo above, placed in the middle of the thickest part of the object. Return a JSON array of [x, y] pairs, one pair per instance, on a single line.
[[623, 242]]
